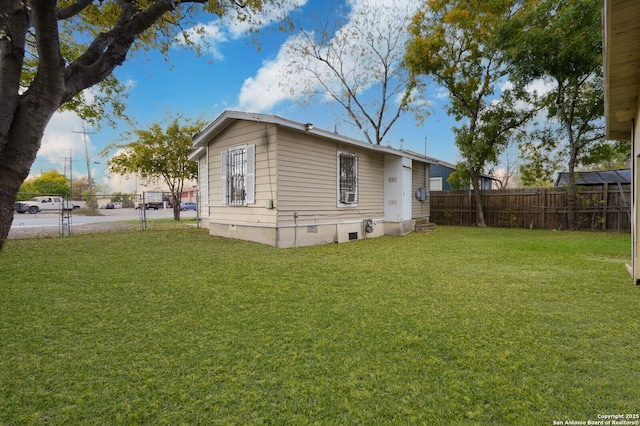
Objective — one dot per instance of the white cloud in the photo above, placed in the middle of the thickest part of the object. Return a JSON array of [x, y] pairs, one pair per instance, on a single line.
[[63, 139], [239, 27], [211, 36], [279, 79], [117, 183], [540, 87], [267, 88]]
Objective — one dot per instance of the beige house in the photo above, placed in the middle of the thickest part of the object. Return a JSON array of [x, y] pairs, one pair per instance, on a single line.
[[621, 19], [267, 179]]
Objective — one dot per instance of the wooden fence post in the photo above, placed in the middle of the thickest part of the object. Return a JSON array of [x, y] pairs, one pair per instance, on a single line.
[[543, 191]]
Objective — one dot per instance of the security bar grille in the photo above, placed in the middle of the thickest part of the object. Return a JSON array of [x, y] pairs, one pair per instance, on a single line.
[[236, 176], [348, 177]]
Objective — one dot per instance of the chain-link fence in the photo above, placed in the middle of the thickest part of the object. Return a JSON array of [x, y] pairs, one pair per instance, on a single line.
[[39, 215]]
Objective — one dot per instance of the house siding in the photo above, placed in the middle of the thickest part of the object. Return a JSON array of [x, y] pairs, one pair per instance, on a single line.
[[223, 219], [203, 185], [635, 185], [420, 174], [308, 210], [296, 191]]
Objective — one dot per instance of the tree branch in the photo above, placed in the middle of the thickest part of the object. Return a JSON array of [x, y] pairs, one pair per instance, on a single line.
[[49, 76], [73, 9], [110, 49], [14, 24]]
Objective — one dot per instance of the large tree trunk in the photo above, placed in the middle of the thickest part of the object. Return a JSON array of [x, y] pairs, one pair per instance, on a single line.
[[24, 114], [571, 190], [475, 182], [176, 208], [19, 151]]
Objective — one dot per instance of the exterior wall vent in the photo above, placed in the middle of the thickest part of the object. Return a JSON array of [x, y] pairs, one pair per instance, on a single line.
[[353, 236]]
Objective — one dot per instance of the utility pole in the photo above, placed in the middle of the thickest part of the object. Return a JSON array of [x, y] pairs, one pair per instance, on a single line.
[[86, 155], [70, 158], [71, 172]]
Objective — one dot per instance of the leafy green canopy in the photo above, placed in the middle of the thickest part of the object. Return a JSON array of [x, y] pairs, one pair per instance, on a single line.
[[52, 51], [454, 43], [560, 44], [157, 152], [48, 183], [87, 31]]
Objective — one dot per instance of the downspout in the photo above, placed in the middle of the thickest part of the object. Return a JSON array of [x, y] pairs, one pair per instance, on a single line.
[[295, 229]]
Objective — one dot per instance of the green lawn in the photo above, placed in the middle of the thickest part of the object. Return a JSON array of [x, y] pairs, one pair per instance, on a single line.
[[458, 326]]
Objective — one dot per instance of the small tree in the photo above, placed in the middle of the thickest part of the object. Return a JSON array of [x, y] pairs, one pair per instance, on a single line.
[[48, 183], [454, 43], [83, 191], [560, 43], [161, 154], [458, 180]]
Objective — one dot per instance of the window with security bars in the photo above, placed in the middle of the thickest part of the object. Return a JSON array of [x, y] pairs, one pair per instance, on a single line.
[[348, 178], [238, 175]]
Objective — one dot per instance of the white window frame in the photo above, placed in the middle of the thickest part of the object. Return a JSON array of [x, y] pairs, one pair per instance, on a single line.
[[435, 184], [248, 172], [343, 194]]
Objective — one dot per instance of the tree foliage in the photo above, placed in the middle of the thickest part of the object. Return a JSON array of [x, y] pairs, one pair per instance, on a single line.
[[127, 200], [559, 44], [160, 154], [459, 180], [81, 190], [454, 43], [358, 65], [48, 183], [51, 51]]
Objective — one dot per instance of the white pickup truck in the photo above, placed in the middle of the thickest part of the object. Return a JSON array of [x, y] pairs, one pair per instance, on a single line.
[[48, 203]]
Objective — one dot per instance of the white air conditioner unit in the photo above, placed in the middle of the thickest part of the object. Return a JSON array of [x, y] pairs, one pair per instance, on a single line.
[[347, 197]]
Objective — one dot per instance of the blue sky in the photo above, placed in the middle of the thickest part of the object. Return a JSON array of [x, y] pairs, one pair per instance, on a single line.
[[234, 74]]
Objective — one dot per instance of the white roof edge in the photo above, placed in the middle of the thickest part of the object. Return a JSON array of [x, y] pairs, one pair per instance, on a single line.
[[228, 116], [195, 154]]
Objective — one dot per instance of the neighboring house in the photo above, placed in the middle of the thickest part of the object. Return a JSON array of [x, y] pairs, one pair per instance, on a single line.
[[440, 172], [621, 23], [598, 177], [267, 179]]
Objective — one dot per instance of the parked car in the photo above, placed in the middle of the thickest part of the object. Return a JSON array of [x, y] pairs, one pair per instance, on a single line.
[[20, 207], [50, 203], [188, 206]]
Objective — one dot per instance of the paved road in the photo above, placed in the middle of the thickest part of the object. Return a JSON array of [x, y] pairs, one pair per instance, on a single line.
[[47, 219]]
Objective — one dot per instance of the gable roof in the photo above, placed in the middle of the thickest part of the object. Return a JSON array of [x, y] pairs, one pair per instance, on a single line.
[[596, 177], [225, 119], [621, 38]]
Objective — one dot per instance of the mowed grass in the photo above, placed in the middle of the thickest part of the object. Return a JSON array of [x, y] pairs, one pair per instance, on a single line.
[[458, 326]]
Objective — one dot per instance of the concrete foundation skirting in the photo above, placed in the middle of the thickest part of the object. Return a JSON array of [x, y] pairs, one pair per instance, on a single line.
[[308, 235]]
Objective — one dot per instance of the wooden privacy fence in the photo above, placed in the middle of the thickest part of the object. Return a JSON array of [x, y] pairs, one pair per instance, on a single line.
[[599, 207]]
